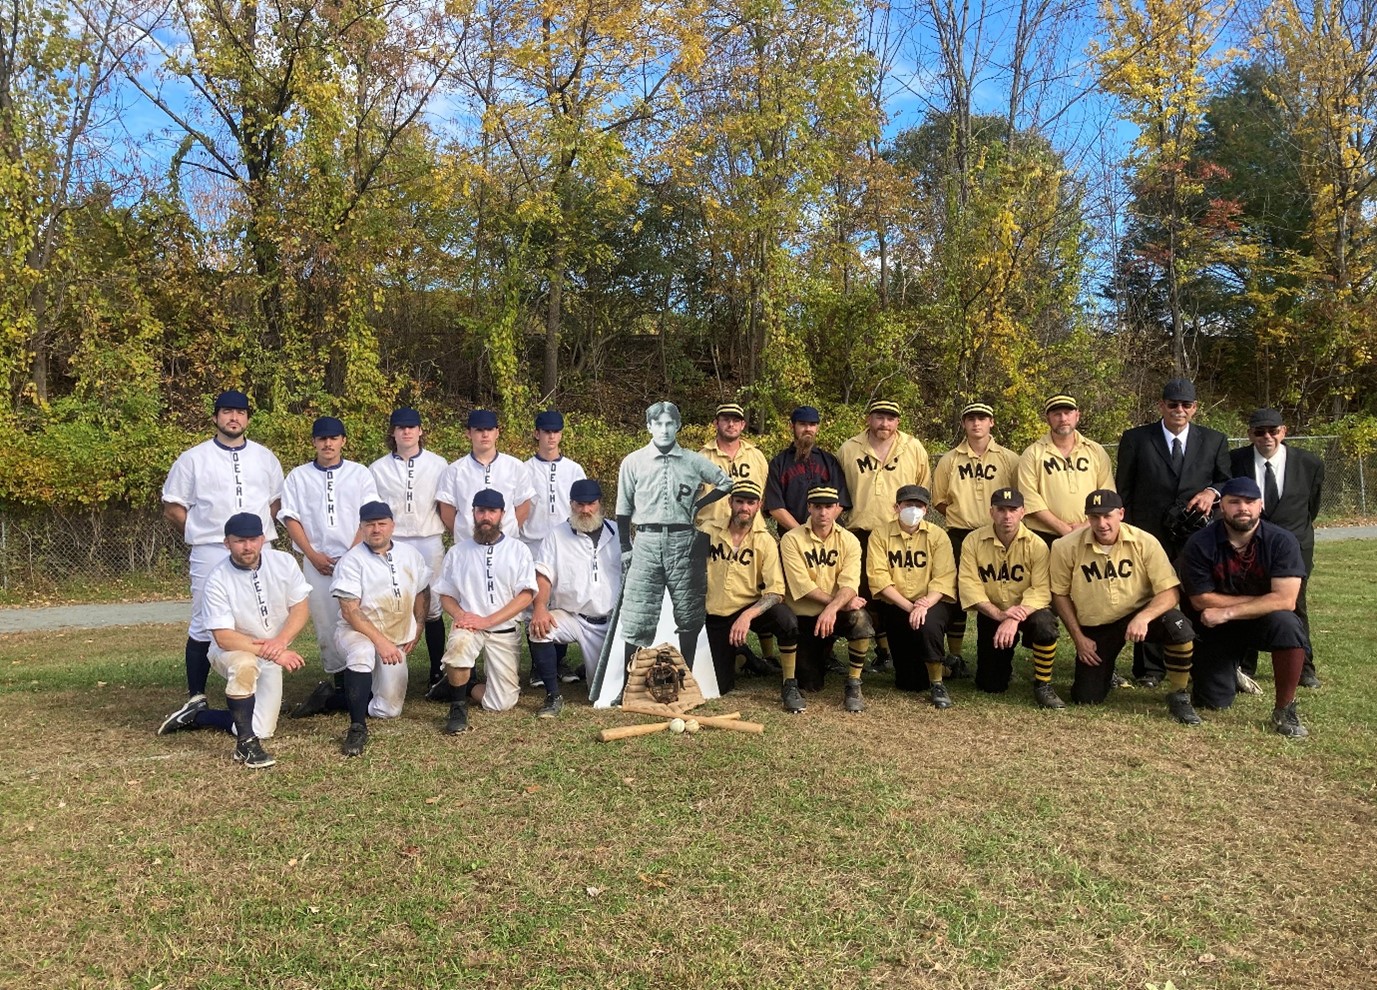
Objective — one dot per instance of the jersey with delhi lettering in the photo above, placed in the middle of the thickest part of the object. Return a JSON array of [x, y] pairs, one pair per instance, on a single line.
[[550, 481], [739, 576], [584, 578], [965, 480], [484, 578], [467, 476], [385, 585], [914, 563], [213, 482], [1108, 583], [873, 485], [1051, 480], [1005, 577], [255, 601], [811, 562], [326, 501], [409, 484], [749, 464]]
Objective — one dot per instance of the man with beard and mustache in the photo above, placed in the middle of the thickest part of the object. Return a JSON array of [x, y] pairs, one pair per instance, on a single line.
[[798, 469], [207, 484], [1058, 471], [1242, 575], [484, 584], [578, 577]]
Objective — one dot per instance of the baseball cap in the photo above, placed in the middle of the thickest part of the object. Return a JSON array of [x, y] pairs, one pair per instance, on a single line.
[[805, 414], [1265, 417], [1061, 400], [1178, 390], [883, 406], [585, 490], [244, 525], [913, 493], [373, 511], [1101, 501], [327, 426], [730, 409], [231, 400], [1241, 488], [746, 489], [405, 417], [489, 499], [977, 409], [1009, 498], [481, 419], [823, 495], [551, 421]]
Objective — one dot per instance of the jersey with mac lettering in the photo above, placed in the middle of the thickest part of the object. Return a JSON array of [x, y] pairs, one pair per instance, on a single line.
[[1005, 577], [1108, 583], [873, 485], [749, 464], [964, 480], [738, 576], [1050, 480], [914, 563], [812, 563]]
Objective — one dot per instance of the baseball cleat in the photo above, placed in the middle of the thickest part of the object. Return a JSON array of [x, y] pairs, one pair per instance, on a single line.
[[250, 752], [570, 675], [1179, 705], [554, 704], [1308, 679], [940, 698], [184, 717], [955, 667], [440, 691], [458, 720], [1149, 681], [1117, 681], [790, 697], [355, 739], [853, 701], [883, 661], [1045, 696], [1286, 722], [316, 702]]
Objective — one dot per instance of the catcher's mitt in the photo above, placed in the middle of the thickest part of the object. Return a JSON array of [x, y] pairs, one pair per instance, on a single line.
[[664, 678]]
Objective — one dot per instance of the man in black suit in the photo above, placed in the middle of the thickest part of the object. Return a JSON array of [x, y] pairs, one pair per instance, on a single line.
[[1290, 498], [1168, 471]]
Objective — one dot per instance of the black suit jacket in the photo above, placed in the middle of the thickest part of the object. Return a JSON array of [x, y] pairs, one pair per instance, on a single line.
[[1149, 486], [1300, 493]]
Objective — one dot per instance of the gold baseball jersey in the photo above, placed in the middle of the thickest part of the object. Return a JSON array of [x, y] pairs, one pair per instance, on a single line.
[[1049, 480], [739, 575], [1017, 575], [749, 464], [814, 563], [1108, 583], [915, 563], [965, 480], [873, 485]]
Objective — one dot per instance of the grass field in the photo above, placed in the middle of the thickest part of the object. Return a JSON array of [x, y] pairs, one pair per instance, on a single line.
[[990, 846]]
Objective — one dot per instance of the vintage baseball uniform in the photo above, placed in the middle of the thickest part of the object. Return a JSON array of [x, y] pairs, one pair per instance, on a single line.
[[749, 464], [790, 479], [1018, 575], [550, 481], [915, 563], [811, 562], [1049, 480], [584, 583], [873, 485], [409, 485], [467, 476], [738, 577], [1108, 583], [964, 480]]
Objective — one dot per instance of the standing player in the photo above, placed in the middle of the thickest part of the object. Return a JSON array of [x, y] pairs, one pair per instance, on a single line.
[[255, 605], [212, 481], [578, 577], [486, 582], [320, 508], [962, 484], [877, 463], [1004, 574], [484, 467], [407, 479], [913, 575], [798, 469], [1058, 471]]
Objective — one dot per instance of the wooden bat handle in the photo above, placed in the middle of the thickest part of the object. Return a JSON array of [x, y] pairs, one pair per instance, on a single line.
[[645, 729]]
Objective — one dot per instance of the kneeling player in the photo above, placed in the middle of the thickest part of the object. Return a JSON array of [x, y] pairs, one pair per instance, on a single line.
[[1004, 575]]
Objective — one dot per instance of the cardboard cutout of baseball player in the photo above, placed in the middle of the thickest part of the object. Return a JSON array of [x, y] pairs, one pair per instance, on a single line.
[[664, 571]]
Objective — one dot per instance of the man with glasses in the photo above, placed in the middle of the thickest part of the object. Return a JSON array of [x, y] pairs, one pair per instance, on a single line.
[[1290, 480]]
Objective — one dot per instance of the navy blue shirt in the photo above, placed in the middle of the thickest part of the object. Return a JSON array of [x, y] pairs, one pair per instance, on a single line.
[[1210, 563], [789, 480]]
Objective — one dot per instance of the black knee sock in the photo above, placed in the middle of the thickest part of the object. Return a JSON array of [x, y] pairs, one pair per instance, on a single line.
[[435, 646], [241, 710], [197, 666], [358, 688], [544, 663], [339, 702], [561, 651]]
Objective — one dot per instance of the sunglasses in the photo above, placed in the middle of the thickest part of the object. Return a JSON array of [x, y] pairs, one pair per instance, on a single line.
[[1265, 431], [1173, 404]]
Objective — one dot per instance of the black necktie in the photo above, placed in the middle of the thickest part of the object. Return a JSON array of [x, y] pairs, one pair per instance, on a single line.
[[1178, 456], [1270, 495]]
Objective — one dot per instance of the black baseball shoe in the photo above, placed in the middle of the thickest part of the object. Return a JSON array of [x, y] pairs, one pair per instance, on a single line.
[[1286, 722], [791, 698], [754, 666], [570, 675], [954, 667], [1308, 678], [1045, 696], [883, 661], [1179, 705], [250, 752], [458, 720], [1150, 681], [355, 739], [440, 691], [853, 701], [1118, 681], [940, 698], [316, 702], [184, 717], [554, 704]]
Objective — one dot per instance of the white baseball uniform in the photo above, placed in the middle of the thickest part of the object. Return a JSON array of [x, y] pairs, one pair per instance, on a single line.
[[550, 480], [385, 585], [326, 501], [213, 482], [409, 484], [584, 583], [466, 477], [483, 578], [255, 603]]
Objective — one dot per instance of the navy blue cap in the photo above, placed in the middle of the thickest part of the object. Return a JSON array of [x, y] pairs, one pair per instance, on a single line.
[[373, 511], [245, 525], [405, 417], [231, 400], [489, 499], [482, 419], [585, 490], [551, 421], [805, 414], [1241, 488], [327, 426]]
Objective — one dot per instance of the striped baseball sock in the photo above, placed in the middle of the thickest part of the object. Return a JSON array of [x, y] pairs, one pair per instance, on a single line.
[[856, 650], [1042, 662], [1178, 660]]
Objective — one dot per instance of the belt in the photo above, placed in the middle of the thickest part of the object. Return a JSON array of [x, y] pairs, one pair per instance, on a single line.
[[595, 620], [510, 629], [663, 527]]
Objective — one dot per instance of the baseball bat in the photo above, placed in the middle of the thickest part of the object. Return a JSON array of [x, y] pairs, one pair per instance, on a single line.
[[629, 731], [711, 721]]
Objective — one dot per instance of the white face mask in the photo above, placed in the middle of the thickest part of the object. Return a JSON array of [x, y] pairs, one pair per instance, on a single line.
[[912, 515]]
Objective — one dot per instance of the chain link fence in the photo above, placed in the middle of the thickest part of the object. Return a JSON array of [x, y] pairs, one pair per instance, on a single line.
[[45, 551]]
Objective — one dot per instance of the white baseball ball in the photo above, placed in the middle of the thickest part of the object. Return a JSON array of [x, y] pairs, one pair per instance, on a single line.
[[676, 726], [691, 725]]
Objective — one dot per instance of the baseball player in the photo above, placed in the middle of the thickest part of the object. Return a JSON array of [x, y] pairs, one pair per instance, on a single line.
[[911, 569], [407, 479], [255, 603], [656, 488], [1112, 582], [320, 509], [578, 577], [1004, 576], [485, 583], [746, 589], [207, 484], [1243, 575], [382, 587], [484, 467], [1058, 471], [799, 468], [962, 484], [877, 463], [822, 568]]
